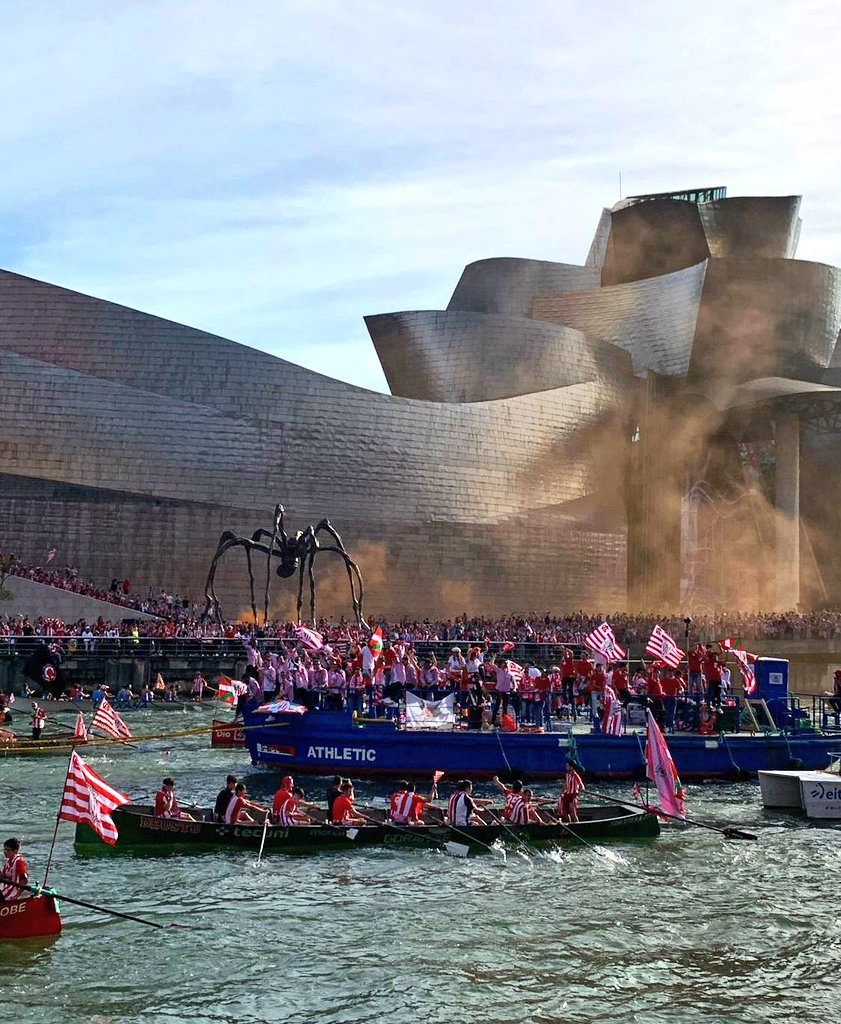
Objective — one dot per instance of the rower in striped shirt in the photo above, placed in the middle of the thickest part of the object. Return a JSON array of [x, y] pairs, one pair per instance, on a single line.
[[290, 815]]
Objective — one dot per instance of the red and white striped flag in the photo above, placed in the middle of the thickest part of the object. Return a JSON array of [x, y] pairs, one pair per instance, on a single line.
[[308, 638], [746, 669], [661, 645], [108, 721], [517, 672], [80, 733], [660, 768], [602, 641], [90, 800], [612, 720]]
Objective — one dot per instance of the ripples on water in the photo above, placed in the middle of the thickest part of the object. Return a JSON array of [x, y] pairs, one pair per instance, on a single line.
[[690, 927]]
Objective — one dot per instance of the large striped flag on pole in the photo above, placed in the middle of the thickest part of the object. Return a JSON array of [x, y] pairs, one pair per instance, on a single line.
[[660, 768], [602, 641], [309, 638], [108, 721], [90, 800], [746, 670], [661, 645]]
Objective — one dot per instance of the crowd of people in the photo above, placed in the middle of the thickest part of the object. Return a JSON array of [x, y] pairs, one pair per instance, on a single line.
[[119, 592], [178, 618]]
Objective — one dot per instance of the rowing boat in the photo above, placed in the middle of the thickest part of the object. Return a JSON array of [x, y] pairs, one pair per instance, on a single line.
[[141, 832], [33, 918]]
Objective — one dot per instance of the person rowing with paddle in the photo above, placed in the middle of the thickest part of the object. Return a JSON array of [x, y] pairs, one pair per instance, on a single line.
[[464, 808], [289, 813], [236, 812], [166, 806], [407, 805], [344, 809]]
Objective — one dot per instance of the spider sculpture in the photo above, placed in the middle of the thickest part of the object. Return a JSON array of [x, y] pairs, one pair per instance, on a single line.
[[294, 553]]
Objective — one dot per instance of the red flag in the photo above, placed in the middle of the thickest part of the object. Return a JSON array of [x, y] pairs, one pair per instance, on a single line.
[[80, 732], [612, 719], [661, 645], [436, 777], [660, 768], [108, 721], [517, 672], [602, 641], [90, 800]]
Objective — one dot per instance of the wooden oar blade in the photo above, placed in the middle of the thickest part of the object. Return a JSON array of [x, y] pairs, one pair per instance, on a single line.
[[457, 849], [736, 833], [352, 833]]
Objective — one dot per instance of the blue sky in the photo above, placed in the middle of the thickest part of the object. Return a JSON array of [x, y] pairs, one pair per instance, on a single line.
[[273, 171]]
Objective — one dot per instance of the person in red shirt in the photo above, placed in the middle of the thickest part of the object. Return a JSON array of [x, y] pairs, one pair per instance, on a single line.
[[695, 661], [282, 796], [712, 674], [14, 870], [568, 674], [407, 805], [166, 805], [672, 686], [344, 810], [236, 812]]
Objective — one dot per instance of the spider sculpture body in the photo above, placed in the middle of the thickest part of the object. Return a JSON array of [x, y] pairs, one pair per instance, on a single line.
[[293, 553]]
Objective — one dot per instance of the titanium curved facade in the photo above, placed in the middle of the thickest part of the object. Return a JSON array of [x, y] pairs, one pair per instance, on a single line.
[[433, 355], [544, 438]]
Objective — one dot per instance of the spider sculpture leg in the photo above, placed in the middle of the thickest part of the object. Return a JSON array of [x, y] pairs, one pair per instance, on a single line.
[[357, 592]]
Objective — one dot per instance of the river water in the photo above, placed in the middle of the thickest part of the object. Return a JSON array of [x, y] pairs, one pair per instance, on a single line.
[[688, 927]]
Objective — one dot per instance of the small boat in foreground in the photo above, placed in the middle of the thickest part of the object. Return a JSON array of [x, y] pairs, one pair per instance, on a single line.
[[141, 832], [32, 918]]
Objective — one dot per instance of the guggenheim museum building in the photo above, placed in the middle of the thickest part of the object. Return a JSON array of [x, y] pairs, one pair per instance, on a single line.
[[654, 428]]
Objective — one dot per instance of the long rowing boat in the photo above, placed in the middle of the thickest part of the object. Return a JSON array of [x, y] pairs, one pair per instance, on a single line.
[[32, 918], [141, 832]]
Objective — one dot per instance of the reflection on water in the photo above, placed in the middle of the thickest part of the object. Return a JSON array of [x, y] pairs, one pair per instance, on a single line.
[[687, 928]]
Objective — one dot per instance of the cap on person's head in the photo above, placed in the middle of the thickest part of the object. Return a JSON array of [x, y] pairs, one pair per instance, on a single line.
[[13, 843]]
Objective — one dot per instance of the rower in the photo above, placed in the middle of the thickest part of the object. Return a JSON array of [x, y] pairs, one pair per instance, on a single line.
[[511, 795], [344, 811], [289, 813], [282, 796], [166, 806], [224, 797], [14, 870], [406, 804], [236, 812], [523, 811], [463, 808]]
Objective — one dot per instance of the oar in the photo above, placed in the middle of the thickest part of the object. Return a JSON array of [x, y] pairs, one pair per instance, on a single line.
[[38, 891], [262, 839], [526, 850], [729, 832], [601, 854], [500, 854]]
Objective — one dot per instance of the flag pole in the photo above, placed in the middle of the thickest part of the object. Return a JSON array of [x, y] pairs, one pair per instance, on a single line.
[[58, 816]]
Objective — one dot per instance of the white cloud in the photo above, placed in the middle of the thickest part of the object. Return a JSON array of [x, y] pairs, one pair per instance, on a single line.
[[274, 171]]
